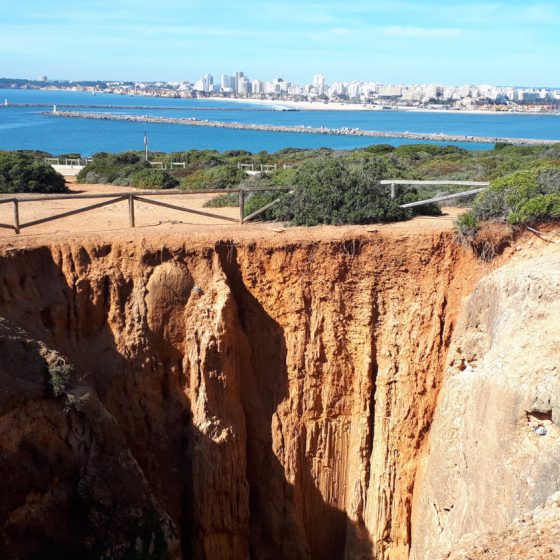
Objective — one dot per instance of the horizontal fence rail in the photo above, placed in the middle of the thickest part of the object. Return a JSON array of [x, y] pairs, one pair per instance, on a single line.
[[393, 183], [144, 197], [113, 198]]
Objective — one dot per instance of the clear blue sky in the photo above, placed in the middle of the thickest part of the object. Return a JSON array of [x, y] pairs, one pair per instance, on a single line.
[[509, 42]]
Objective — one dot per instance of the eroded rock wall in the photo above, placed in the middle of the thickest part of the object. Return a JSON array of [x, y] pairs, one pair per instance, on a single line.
[[494, 444], [275, 398]]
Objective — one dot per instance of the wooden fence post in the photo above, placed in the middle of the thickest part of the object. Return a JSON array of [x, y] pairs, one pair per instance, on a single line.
[[241, 206], [16, 216], [392, 190], [131, 210]]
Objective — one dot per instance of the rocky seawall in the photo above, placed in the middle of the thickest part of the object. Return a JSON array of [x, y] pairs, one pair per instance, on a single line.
[[191, 121]]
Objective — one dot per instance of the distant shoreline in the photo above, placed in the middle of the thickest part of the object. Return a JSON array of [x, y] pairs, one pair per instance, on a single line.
[[315, 105], [337, 106]]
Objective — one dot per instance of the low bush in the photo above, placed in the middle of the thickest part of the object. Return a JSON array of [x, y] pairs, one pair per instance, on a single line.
[[328, 191], [537, 209], [219, 177], [116, 169], [22, 173], [505, 195], [467, 224], [526, 196], [255, 201], [223, 201], [153, 179]]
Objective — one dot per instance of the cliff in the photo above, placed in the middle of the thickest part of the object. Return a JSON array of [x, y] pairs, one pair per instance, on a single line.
[[494, 452], [224, 401]]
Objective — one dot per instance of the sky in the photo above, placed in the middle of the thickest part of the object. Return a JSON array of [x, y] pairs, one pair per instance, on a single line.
[[503, 42]]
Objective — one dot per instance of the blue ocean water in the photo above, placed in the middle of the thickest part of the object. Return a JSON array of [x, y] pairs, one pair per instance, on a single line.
[[27, 128]]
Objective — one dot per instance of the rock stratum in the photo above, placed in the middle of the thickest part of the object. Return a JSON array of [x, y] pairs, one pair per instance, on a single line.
[[308, 400]]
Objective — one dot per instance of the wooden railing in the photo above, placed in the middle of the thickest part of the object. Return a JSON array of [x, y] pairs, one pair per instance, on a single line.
[[393, 183], [146, 197], [131, 197]]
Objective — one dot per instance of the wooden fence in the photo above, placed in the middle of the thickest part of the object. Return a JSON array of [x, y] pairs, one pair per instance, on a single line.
[[112, 198], [131, 197]]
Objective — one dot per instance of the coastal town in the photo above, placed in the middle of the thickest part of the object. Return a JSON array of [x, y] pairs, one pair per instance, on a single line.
[[320, 94]]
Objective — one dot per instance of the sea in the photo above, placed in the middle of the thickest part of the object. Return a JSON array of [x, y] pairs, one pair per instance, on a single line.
[[30, 128]]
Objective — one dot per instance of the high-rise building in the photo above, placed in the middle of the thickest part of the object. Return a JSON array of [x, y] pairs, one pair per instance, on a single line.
[[208, 81], [238, 76], [319, 83], [243, 85], [257, 86]]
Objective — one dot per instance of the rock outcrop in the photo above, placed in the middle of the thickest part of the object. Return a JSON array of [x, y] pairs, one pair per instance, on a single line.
[[535, 536], [495, 441], [268, 400], [274, 399]]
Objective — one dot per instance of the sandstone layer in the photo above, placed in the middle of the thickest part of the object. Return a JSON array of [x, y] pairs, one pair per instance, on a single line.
[[270, 400], [495, 441], [535, 536], [228, 401]]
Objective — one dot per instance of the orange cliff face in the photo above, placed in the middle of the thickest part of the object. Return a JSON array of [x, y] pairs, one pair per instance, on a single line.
[[255, 400]]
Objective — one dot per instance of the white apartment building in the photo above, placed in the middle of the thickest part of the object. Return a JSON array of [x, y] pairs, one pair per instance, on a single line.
[[257, 86], [319, 83], [390, 91]]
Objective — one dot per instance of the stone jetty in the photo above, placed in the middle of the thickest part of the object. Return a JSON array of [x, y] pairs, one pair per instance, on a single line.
[[191, 121]]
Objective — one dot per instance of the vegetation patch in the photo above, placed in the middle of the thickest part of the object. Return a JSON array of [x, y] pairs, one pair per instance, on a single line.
[[21, 172], [153, 179], [223, 201], [336, 192], [61, 381], [523, 197]]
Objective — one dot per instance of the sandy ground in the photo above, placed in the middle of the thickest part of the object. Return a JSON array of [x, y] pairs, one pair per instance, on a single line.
[[112, 220]]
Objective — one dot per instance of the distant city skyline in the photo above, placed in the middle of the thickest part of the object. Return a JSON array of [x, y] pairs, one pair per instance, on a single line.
[[403, 41]]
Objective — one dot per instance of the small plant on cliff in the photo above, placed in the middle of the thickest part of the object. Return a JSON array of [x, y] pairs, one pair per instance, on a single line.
[[60, 377], [467, 224]]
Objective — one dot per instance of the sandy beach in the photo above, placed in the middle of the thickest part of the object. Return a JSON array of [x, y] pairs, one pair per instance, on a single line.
[[336, 106]]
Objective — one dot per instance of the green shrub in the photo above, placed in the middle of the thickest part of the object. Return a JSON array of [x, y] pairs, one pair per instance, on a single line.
[[467, 224], [505, 195], [539, 208], [60, 378], [153, 179], [223, 201], [548, 180], [255, 201], [22, 173], [218, 177], [412, 195], [116, 169], [328, 192]]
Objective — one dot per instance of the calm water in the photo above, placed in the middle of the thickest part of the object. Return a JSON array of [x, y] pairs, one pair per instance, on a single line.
[[26, 128]]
